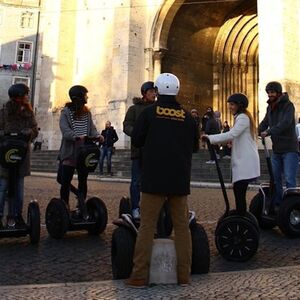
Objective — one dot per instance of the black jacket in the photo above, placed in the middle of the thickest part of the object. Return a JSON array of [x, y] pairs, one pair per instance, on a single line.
[[280, 124], [169, 136], [110, 136]]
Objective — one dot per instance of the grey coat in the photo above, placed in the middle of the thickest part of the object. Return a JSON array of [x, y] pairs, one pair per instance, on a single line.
[[14, 120], [67, 148]]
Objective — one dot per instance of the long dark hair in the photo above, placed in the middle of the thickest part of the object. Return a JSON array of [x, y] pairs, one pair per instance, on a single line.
[[79, 110]]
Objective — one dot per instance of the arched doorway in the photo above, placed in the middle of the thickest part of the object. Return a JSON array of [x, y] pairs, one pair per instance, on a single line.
[[212, 47]]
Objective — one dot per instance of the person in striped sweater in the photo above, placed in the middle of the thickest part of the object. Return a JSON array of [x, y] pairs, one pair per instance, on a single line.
[[75, 123]]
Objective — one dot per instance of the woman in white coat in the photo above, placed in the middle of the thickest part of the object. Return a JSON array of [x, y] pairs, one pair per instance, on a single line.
[[244, 158]]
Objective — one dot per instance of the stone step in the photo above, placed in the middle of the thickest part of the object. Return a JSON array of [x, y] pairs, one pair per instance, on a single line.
[[46, 161]]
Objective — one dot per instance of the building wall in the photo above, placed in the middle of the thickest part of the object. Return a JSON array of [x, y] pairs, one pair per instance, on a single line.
[[12, 32], [111, 47], [279, 48]]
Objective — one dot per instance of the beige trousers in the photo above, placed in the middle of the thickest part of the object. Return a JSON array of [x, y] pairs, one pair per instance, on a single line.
[[150, 206]]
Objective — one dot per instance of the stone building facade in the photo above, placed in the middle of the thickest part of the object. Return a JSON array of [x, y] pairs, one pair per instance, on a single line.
[[215, 48]]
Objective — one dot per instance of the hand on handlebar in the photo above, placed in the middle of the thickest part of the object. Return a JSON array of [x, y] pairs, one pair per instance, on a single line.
[[204, 138], [263, 134]]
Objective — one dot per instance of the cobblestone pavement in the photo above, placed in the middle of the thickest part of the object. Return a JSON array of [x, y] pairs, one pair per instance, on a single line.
[[83, 258], [259, 284]]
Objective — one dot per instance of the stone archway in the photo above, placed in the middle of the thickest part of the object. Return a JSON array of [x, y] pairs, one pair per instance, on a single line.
[[189, 39], [236, 62]]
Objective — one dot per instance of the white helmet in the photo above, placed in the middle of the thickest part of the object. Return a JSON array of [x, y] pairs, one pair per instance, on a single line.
[[167, 84]]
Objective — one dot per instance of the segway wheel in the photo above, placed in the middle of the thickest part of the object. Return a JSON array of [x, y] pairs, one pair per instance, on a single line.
[[57, 218], [97, 212], [200, 250], [256, 208], [122, 250], [236, 238], [34, 222], [124, 206], [289, 216]]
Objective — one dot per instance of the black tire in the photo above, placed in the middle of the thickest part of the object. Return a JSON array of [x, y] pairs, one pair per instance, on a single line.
[[57, 218], [124, 206], [200, 250], [122, 250], [289, 216], [34, 222], [256, 208], [236, 238], [164, 224], [248, 215], [97, 211]]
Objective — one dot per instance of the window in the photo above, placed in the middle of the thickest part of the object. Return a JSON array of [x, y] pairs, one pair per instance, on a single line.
[[24, 50], [25, 80], [27, 20]]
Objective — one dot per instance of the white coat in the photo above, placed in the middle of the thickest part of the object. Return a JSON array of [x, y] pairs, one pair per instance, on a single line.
[[244, 154]]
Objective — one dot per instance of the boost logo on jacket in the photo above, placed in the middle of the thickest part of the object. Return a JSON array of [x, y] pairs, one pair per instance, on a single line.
[[170, 113]]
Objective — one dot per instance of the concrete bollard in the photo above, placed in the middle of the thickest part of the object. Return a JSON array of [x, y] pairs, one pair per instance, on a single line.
[[163, 267]]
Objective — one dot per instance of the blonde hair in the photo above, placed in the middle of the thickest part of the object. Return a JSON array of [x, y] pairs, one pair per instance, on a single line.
[[253, 130]]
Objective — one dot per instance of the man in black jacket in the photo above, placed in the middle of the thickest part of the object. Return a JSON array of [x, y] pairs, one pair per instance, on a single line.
[[110, 137], [148, 97], [168, 135], [279, 123]]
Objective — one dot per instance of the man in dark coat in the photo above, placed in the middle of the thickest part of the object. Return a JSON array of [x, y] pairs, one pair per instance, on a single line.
[[148, 97], [279, 123], [168, 135], [110, 137]]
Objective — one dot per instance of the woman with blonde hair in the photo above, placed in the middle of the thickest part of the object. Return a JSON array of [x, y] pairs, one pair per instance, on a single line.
[[245, 163]]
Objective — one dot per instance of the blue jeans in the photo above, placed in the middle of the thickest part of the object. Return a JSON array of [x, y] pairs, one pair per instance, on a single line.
[[18, 199], [105, 152], [286, 164], [135, 185]]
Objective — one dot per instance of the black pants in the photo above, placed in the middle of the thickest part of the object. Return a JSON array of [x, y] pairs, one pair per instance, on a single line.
[[239, 190], [66, 175]]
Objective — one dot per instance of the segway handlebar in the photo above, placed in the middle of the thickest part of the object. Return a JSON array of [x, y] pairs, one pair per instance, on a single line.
[[269, 164], [220, 175]]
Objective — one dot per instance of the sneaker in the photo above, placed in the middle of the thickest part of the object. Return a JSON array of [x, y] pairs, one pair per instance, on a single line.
[[210, 162], [136, 283], [227, 157], [128, 219], [136, 213]]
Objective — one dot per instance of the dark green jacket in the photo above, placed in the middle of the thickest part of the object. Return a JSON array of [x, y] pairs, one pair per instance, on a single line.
[[280, 125], [132, 115]]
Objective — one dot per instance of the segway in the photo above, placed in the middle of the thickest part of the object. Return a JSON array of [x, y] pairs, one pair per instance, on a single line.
[[287, 217], [164, 226], [13, 149], [91, 214], [236, 236], [124, 238]]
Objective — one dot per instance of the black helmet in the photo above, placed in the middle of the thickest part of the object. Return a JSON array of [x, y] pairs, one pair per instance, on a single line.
[[240, 99], [77, 92], [274, 86], [18, 90], [148, 85]]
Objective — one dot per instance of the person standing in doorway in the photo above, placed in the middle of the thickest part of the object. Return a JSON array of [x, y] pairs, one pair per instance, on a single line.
[[110, 137], [139, 104]]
